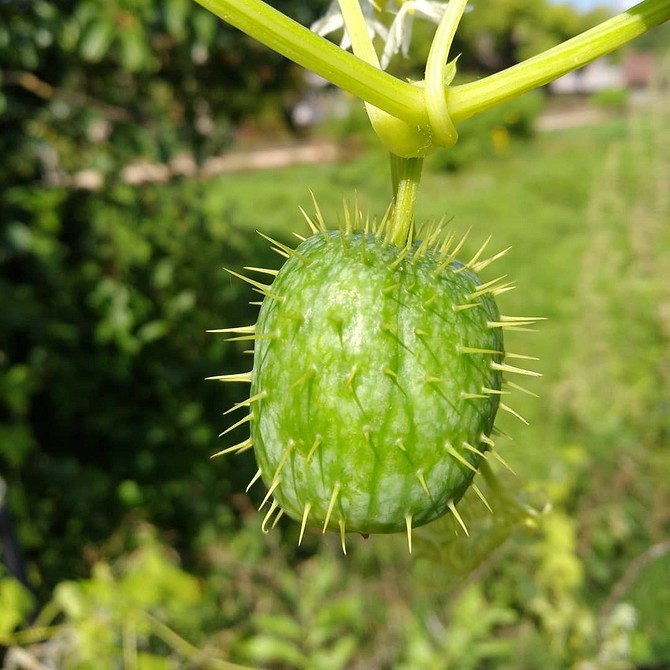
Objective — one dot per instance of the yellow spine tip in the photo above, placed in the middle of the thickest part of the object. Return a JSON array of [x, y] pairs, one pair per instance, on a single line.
[[343, 536], [458, 517], [303, 524]]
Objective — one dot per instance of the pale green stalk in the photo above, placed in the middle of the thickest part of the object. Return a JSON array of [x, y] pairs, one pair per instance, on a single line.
[[436, 66], [406, 175]]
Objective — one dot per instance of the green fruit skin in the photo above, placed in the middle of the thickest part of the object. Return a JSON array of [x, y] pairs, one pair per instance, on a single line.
[[359, 351]]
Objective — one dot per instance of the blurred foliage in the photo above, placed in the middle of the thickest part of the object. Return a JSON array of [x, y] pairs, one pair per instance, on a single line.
[[105, 299], [490, 135], [90, 83], [611, 99], [496, 35], [500, 34]]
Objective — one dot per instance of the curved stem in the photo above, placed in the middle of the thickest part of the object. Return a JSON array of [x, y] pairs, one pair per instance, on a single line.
[[436, 67], [361, 43]]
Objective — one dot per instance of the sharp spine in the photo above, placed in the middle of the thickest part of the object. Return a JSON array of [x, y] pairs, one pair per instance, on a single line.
[[473, 396], [315, 445], [517, 387], [312, 226], [240, 330], [302, 379], [509, 410], [504, 367], [522, 357], [485, 439], [471, 449], [471, 263], [464, 307], [408, 524], [449, 448], [283, 249], [489, 391], [331, 505], [450, 258], [303, 524], [422, 481], [343, 536], [263, 288], [482, 497], [253, 338], [265, 271], [239, 377], [270, 512], [478, 267], [319, 216], [280, 514], [283, 459], [268, 495], [243, 420], [475, 350], [503, 462], [458, 517], [352, 375], [237, 448], [247, 402], [254, 479]]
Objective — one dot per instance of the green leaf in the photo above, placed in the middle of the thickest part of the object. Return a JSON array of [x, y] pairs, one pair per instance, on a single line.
[[16, 602], [97, 40], [176, 14], [152, 662], [281, 625], [268, 649]]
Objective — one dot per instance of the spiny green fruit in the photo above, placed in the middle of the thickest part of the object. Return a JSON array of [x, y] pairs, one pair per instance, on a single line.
[[376, 380]]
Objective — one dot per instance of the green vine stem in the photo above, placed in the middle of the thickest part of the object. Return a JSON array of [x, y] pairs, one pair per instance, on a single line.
[[469, 99], [406, 101]]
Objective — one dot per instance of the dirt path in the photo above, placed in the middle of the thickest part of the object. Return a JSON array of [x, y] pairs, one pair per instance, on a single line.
[[267, 158]]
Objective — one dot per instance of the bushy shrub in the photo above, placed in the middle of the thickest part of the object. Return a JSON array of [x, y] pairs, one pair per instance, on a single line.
[[105, 299]]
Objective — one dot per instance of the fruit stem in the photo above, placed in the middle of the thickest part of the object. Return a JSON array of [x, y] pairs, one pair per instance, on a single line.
[[406, 176]]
